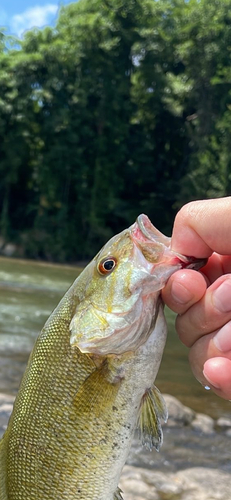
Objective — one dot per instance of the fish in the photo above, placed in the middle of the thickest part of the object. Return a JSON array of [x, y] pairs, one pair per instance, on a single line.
[[90, 379]]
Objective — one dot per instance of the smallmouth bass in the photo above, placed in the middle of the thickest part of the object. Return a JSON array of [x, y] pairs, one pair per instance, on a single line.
[[90, 377]]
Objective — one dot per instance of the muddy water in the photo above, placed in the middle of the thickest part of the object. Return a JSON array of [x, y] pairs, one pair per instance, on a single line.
[[29, 291]]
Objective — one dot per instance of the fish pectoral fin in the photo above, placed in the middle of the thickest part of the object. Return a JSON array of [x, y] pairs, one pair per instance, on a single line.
[[152, 410], [117, 494], [96, 395]]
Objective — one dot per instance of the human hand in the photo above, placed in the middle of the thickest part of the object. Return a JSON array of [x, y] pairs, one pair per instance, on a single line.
[[203, 299]]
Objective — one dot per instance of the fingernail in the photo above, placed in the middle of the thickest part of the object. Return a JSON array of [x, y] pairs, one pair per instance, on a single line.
[[181, 294], [210, 381], [222, 296], [222, 339]]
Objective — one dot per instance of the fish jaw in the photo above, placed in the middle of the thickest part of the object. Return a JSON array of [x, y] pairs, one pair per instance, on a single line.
[[156, 247], [118, 319]]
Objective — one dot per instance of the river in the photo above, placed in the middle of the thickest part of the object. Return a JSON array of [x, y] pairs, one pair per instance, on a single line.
[[30, 290]]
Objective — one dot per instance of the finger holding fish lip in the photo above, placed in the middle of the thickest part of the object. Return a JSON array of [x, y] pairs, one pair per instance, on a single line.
[[203, 226]]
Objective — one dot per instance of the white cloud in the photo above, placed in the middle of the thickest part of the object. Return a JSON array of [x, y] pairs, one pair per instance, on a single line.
[[34, 17]]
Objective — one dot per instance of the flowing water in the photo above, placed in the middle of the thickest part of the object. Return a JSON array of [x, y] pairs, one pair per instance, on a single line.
[[29, 291]]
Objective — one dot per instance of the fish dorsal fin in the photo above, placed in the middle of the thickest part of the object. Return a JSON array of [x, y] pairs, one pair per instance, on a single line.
[[152, 410], [117, 494]]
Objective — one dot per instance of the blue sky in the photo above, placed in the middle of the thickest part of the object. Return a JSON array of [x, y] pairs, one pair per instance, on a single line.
[[20, 15]]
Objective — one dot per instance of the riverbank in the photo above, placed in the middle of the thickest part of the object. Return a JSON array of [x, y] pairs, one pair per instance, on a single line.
[[194, 462]]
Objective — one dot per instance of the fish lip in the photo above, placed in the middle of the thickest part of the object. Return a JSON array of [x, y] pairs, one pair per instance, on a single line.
[[147, 232], [150, 232], [190, 262], [141, 219]]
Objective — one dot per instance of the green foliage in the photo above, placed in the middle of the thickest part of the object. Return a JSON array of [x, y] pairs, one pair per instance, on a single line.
[[122, 108], [204, 51]]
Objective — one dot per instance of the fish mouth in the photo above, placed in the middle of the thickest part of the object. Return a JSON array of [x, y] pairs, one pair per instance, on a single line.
[[146, 235], [189, 262], [149, 232]]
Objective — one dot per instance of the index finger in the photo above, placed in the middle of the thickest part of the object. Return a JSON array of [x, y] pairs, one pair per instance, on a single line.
[[203, 227]]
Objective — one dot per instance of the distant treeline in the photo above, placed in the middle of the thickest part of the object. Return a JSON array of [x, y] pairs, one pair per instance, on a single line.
[[123, 107]]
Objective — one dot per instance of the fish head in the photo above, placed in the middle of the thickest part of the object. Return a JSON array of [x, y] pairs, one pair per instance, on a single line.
[[116, 311]]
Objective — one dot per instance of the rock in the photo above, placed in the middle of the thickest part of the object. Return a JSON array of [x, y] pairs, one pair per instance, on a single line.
[[166, 488], [205, 484], [137, 483], [134, 486], [203, 423], [223, 424], [178, 414], [197, 483], [9, 250]]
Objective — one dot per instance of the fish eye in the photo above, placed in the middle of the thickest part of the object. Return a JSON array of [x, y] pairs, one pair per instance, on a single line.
[[107, 265]]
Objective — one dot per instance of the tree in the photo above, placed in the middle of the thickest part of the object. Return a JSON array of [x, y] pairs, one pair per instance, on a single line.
[[202, 34], [122, 108]]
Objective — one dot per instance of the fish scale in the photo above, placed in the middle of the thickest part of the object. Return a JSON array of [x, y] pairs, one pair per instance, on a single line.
[[80, 399]]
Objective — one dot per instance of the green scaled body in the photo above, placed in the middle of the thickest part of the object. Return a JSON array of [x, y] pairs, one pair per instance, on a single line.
[[90, 377]]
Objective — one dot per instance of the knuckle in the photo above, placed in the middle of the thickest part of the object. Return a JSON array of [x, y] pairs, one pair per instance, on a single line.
[[190, 211]]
